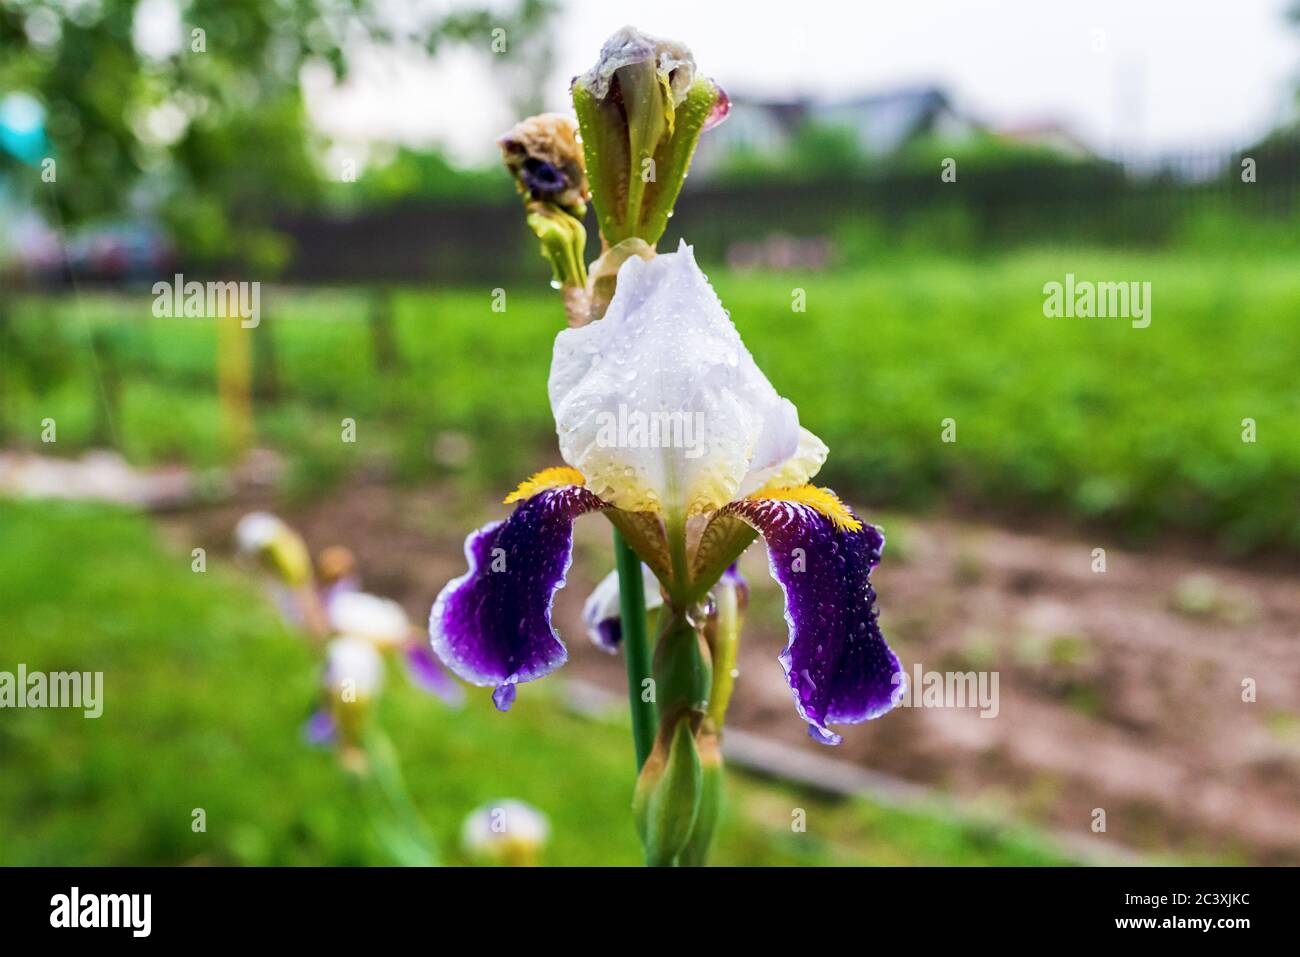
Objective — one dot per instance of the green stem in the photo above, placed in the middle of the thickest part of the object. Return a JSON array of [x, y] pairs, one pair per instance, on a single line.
[[636, 648], [400, 825]]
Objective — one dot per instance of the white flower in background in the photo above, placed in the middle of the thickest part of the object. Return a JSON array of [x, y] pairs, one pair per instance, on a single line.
[[380, 621], [354, 670], [505, 832], [256, 530]]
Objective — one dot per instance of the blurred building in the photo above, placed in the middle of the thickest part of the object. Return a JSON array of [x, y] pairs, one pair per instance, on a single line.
[[882, 123], [1046, 135]]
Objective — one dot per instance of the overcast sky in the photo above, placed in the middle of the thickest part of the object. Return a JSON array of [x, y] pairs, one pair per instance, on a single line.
[[1140, 74]]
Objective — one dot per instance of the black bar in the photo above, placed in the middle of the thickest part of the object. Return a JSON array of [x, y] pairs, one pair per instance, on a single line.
[[521, 908]]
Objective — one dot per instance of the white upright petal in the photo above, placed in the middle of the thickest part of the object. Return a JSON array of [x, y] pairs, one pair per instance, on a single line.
[[659, 404], [806, 462]]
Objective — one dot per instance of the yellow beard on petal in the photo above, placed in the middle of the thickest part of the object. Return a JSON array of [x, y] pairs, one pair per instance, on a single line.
[[822, 500], [557, 476]]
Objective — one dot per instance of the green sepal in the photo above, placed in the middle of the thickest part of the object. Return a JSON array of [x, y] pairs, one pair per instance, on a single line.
[[674, 158], [605, 150]]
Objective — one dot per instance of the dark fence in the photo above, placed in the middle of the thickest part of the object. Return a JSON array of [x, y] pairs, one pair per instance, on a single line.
[[1132, 201]]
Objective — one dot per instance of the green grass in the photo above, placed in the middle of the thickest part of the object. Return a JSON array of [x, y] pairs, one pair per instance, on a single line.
[[1135, 428], [204, 696]]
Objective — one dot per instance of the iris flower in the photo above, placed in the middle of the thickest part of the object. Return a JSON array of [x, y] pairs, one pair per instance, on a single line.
[[334, 605], [666, 426], [669, 428]]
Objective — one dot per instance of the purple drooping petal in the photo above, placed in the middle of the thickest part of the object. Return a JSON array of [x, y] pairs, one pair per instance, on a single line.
[[838, 665], [427, 674], [492, 626], [320, 729]]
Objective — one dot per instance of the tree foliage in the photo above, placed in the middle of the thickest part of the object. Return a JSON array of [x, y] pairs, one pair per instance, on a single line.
[[193, 109]]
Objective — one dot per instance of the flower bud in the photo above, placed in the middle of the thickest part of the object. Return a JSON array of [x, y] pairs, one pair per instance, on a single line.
[[668, 792], [336, 565], [354, 676], [275, 546], [545, 159], [546, 163], [722, 633], [641, 109]]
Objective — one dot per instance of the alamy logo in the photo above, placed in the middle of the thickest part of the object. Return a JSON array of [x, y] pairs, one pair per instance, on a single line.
[[634, 429], [947, 689], [208, 300], [103, 910], [56, 689], [1100, 300]]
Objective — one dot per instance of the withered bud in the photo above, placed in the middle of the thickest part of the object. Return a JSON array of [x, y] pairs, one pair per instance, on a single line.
[[544, 155]]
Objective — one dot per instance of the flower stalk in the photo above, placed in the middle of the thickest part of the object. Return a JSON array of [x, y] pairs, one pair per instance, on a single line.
[[649, 330], [394, 815], [636, 648], [641, 111]]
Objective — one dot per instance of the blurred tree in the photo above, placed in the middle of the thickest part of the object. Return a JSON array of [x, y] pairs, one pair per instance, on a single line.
[[425, 174], [815, 150], [193, 109], [826, 148], [525, 48]]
